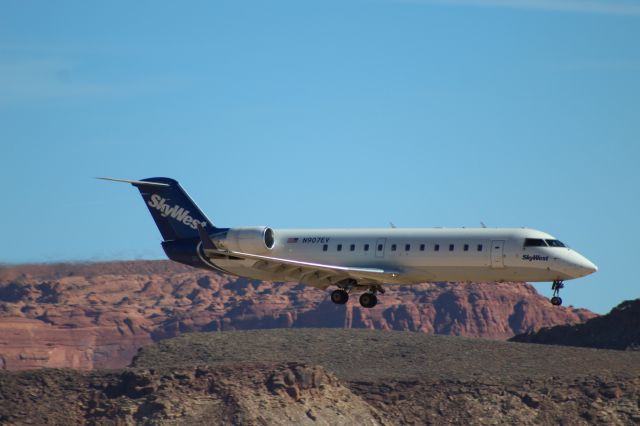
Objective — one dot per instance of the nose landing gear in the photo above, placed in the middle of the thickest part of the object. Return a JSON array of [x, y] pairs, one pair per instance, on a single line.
[[556, 300]]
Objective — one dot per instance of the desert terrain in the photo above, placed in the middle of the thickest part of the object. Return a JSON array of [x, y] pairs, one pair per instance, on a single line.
[[335, 376], [153, 342]]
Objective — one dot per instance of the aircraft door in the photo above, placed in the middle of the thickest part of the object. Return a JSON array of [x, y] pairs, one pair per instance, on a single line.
[[497, 254], [380, 245]]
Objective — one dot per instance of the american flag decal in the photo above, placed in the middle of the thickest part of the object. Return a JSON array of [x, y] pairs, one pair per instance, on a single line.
[[292, 240]]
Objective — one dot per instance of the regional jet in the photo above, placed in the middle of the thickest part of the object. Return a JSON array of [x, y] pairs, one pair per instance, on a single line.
[[356, 260]]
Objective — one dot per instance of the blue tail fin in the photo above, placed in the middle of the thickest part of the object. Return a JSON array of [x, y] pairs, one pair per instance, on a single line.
[[175, 213]]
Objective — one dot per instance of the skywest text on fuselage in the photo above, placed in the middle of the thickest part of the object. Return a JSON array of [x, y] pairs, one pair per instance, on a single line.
[[535, 257]]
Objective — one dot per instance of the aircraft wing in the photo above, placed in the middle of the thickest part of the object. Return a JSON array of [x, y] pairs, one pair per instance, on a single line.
[[311, 273]]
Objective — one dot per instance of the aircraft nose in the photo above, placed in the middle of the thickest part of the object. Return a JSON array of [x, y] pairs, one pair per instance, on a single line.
[[584, 265], [589, 266], [575, 265]]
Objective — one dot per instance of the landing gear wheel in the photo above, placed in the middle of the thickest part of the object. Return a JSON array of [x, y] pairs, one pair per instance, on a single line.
[[556, 300], [339, 297], [368, 300]]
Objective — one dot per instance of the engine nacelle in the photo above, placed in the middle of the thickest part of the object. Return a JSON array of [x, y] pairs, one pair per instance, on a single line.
[[254, 239]]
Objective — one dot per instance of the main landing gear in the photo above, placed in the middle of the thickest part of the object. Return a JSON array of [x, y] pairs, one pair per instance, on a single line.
[[339, 296], [367, 300], [556, 300]]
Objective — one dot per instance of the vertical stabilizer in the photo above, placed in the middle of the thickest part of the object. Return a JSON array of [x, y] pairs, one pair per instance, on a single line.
[[174, 212]]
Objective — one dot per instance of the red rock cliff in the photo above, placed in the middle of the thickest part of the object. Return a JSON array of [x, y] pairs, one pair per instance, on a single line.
[[97, 315]]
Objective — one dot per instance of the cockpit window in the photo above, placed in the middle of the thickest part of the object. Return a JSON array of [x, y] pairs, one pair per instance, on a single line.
[[534, 242], [555, 243]]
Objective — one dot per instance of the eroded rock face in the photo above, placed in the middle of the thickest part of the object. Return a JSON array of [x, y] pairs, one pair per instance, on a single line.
[[245, 394], [98, 315], [251, 394], [553, 401]]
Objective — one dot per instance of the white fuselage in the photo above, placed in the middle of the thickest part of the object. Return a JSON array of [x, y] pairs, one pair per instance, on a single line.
[[424, 255]]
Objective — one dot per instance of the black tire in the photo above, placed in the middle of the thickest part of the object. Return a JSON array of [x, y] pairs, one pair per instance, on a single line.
[[368, 300], [556, 301], [339, 297]]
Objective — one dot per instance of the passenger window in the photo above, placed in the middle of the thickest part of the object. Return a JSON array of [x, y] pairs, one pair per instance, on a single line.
[[421, 247], [534, 242], [451, 246], [352, 247], [479, 247], [325, 247], [436, 247], [339, 247], [393, 247], [366, 247], [466, 247], [407, 247], [379, 247]]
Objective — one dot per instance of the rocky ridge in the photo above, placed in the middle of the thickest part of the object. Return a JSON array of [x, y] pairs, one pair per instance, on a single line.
[[619, 329], [389, 355], [96, 315]]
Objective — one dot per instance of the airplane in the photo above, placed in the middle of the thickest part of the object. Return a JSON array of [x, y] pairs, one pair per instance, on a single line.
[[360, 260]]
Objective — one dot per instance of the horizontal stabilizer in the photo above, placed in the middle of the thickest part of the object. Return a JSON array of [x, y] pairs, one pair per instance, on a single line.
[[134, 182]]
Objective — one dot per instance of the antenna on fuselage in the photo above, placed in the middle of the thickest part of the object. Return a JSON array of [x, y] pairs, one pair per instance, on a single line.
[[392, 225], [482, 224]]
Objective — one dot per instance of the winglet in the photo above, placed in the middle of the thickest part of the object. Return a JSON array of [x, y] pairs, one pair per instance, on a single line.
[[207, 244]]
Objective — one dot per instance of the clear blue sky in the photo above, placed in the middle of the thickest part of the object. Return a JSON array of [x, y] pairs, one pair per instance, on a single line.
[[324, 113]]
